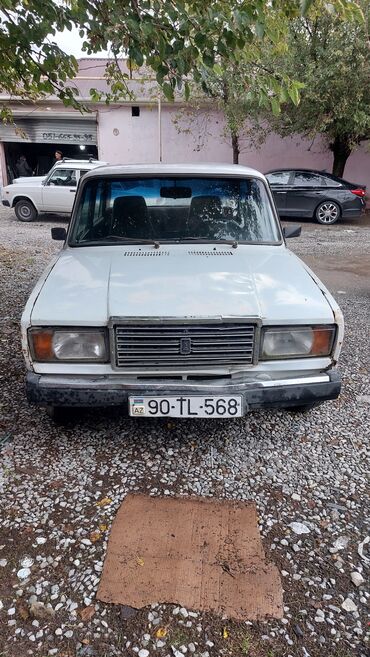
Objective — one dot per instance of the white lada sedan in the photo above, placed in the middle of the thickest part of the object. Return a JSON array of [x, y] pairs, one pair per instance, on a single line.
[[55, 192], [174, 294]]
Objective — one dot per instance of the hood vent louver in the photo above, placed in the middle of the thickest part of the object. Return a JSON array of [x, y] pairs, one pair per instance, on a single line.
[[155, 253], [211, 253]]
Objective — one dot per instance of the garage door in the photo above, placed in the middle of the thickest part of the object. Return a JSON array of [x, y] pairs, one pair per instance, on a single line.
[[53, 131]]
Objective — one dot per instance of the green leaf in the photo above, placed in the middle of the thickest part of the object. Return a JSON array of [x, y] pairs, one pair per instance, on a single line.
[[200, 39], [208, 59], [168, 91], [294, 94], [260, 30], [275, 106]]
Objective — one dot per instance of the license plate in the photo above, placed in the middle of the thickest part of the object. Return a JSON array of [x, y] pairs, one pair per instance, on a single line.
[[180, 406]]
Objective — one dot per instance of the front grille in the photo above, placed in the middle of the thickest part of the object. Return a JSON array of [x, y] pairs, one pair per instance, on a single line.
[[184, 345]]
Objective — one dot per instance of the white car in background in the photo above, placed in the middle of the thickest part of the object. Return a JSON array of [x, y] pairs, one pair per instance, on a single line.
[[175, 295], [54, 192]]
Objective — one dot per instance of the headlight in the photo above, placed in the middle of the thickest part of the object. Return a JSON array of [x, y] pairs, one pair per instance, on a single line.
[[297, 342], [48, 345]]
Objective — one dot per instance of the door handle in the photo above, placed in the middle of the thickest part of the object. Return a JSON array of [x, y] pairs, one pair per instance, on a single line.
[[72, 191]]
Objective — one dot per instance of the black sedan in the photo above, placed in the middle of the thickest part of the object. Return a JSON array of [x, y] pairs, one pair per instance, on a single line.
[[316, 194]]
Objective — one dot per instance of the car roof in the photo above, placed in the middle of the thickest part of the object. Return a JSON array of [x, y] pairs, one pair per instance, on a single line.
[[79, 164], [229, 170], [321, 172]]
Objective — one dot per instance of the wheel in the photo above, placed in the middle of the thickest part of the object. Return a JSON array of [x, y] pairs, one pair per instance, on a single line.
[[327, 213], [25, 211]]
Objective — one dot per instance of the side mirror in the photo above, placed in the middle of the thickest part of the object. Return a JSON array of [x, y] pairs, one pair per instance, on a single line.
[[59, 233], [292, 231]]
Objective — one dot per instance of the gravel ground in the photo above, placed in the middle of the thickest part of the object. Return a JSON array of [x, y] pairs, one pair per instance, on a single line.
[[61, 486]]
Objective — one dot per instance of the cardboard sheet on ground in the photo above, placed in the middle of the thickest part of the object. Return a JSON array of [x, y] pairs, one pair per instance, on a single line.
[[201, 554]]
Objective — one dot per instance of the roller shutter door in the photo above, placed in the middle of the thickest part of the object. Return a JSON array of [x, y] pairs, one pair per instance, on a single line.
[[51, 131]]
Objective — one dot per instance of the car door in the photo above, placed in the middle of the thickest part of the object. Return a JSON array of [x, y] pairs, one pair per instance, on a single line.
[[279, 184], [304, 194], [59, 190]]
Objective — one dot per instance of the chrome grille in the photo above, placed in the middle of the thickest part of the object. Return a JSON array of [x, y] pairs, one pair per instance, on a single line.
[[184, 345]]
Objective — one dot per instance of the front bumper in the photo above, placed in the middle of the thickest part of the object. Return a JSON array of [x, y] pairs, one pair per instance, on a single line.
[[63, 390]]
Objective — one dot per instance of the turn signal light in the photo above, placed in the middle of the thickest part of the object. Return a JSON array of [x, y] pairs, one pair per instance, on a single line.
[[42, 343], [322, 342]]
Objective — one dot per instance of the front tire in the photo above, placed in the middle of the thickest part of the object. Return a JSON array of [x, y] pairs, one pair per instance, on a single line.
[[327, 213], [25, 211]]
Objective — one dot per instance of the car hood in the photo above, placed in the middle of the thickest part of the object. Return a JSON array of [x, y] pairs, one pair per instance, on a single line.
[[88, 286], [23, 180]]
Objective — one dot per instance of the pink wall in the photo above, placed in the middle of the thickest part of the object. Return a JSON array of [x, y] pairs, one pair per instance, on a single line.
[[124, 139], [138, 142]]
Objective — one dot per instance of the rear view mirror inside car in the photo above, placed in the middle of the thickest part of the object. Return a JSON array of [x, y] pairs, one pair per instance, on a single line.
[[175, 192]]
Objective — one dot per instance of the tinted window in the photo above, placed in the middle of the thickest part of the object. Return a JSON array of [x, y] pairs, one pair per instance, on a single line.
[[174, 209], [278, 177], [331, 182], [64, 177], [306, 179]]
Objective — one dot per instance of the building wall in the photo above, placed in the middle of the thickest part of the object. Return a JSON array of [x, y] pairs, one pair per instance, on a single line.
[[137, 141], [124, 139]]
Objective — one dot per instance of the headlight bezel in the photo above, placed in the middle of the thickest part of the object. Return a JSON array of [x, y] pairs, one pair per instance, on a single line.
[[51, 331], [317, 329]]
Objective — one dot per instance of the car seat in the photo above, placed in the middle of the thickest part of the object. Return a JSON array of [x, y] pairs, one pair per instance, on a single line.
[[131, 218], [204, 211]]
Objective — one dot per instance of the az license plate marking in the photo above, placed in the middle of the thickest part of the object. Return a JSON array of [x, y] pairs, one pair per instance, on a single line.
[[186, 406]]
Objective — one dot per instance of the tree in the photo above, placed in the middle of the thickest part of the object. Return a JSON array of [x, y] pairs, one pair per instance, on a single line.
[[32, 65], [331, 57], [233, 88], [176, 39]]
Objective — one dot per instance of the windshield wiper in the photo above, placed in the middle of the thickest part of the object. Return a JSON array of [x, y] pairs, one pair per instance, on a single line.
[[233, 243], [122, 240]]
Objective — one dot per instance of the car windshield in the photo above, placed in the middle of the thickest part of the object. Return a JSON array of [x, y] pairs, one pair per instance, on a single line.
[[173, 209]]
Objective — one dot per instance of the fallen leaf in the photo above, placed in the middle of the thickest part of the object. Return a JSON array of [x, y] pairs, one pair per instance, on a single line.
[[104, 502], [225, 633], [103, 528], [87, 613], [39, 611], [161, 632], [28, 530], [139, 561], [57, 483], [94, 536], [23, 611]]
